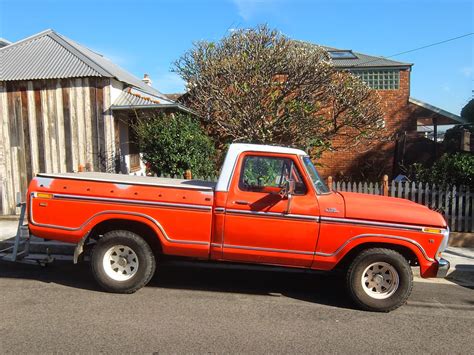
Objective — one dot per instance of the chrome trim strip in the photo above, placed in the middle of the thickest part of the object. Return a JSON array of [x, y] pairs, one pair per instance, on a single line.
[[268, 249], [219, 210], [216, 245], [274, 215], [386, 236], [160, 227], [133, 202], [371, 223], [338, 250]]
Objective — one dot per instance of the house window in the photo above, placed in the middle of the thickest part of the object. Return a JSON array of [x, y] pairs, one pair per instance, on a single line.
[[380, 79], [342, 54]]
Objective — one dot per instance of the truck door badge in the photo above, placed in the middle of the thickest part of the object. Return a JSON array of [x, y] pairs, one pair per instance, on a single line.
[[332, 210]]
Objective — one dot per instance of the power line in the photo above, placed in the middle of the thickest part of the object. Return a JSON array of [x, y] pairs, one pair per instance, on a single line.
[[415, 49]]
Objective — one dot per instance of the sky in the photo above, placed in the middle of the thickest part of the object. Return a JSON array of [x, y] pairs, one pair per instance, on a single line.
[[145, 36]]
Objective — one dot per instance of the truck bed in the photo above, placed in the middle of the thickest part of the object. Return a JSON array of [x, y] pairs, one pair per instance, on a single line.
[[135, 180]]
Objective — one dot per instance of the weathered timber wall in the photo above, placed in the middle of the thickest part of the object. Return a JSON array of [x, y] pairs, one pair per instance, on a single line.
[[52, 126]]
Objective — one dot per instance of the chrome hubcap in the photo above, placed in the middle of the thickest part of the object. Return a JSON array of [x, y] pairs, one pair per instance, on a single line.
[[120, 263], [380, 280]]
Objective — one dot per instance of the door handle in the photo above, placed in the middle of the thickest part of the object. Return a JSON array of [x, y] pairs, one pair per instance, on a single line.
[[240, 202]]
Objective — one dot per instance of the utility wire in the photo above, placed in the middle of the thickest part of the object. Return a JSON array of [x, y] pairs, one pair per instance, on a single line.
[[413, 50]]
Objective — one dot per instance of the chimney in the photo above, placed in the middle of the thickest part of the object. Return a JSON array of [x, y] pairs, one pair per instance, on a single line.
[[146, 79]]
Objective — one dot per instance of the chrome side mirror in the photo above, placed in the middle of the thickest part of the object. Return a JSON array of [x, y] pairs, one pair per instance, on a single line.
[[287, 193], [288, 189]]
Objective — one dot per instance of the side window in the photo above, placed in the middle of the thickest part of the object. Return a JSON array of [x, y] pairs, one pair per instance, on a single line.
[[265, 174]]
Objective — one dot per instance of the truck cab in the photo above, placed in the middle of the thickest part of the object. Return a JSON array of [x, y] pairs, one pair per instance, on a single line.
[[269, 206]]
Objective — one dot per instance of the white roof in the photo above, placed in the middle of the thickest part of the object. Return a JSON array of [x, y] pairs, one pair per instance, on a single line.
[[244, 147], [236, 149]]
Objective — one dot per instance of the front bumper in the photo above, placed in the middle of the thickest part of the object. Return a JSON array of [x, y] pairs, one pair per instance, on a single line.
[[443, 268]]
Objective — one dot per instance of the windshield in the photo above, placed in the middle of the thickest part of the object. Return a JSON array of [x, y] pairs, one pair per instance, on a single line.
[[313, 173]]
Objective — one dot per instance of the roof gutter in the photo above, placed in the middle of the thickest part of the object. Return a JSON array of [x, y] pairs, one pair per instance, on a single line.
[[153, 106]]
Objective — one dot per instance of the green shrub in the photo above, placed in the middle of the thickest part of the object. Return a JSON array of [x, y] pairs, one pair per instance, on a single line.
[[172, 144], [451, 169]]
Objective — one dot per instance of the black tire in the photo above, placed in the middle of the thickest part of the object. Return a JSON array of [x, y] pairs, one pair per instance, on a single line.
[[395, 296], [143, 259]]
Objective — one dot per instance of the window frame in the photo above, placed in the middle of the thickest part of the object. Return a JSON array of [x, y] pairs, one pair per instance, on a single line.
[[242, 171], [379, 79]]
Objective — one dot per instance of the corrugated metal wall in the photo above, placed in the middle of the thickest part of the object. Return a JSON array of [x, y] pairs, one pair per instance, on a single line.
[[52, 126]]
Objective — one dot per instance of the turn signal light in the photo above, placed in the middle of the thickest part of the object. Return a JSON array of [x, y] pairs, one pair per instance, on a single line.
[[433, 230], [44, 195]]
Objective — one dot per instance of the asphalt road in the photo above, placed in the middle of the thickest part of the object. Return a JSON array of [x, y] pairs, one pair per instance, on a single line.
[[208, 310]]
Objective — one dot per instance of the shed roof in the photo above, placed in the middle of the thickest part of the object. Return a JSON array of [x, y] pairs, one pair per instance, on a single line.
[[133, 98], [449, 118], [49, 55]]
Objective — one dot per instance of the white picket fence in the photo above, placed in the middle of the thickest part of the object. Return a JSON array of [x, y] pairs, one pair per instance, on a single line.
[[456, 203]]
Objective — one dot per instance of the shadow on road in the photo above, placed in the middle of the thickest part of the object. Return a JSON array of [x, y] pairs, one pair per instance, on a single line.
[[463, 275], [327, 289]]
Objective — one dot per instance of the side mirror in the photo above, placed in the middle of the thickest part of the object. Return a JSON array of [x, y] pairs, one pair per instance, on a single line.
[[288, 189]]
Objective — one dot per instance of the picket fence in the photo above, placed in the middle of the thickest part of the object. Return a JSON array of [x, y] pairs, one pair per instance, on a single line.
[[455, 203]]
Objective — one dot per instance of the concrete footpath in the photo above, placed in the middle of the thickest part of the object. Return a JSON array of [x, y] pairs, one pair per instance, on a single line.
[[461, 258]]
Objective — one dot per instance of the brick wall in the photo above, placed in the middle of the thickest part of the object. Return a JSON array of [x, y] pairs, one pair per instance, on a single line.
[[368, 162]]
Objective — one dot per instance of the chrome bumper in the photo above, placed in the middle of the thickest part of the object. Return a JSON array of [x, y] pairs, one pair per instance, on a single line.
[[443, 267]]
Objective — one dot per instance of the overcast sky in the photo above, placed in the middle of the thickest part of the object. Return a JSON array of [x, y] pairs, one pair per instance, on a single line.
[[145, 36]]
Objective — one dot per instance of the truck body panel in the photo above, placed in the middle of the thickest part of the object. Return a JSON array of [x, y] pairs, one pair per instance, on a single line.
[[246, 217]]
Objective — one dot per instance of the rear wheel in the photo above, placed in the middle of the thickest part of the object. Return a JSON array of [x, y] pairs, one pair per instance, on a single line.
[[379, 280], [122, 262]]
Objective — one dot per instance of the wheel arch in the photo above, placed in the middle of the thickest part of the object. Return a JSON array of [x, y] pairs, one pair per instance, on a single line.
[[410, 253], [141, 228]]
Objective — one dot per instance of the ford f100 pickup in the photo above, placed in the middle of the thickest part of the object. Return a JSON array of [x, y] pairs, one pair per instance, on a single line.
[[269, 206]]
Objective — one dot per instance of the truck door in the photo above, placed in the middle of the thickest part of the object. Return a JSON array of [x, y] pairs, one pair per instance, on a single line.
[[260, 225]]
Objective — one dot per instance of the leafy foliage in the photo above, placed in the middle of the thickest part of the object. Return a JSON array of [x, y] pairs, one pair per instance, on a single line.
[[451, 169], [172, 144], [467, 111], [259, 86]]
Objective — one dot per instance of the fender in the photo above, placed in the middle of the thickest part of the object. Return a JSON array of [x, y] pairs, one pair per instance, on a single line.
[[327, 261]]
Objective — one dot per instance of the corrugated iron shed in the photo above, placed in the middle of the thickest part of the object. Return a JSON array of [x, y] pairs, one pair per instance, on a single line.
[[49, 55]]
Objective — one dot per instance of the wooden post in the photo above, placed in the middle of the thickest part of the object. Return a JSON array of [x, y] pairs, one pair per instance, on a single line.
[[188, 175], [330, 182], [385, 185]]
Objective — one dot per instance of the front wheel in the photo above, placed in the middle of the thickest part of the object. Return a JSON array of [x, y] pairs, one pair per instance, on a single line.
[[379, 280], [122, 262]]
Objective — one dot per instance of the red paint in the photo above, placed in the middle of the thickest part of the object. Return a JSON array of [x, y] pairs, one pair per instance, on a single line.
[[262, 231]]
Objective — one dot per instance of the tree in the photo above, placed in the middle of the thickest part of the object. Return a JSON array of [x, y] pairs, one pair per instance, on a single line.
[[259, 86], [467, 111], [172, 144], [451, 169]]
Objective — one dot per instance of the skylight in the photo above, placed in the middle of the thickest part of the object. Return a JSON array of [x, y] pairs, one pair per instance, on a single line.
[[342, 54]]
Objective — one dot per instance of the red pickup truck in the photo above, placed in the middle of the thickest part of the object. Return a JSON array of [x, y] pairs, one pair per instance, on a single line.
[[269, 206]]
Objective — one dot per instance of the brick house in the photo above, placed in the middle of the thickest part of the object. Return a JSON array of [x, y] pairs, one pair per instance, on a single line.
[[404, 118]]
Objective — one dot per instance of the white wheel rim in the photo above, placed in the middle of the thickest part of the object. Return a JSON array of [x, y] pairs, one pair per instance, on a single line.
[[380, 280], [120, 263]]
